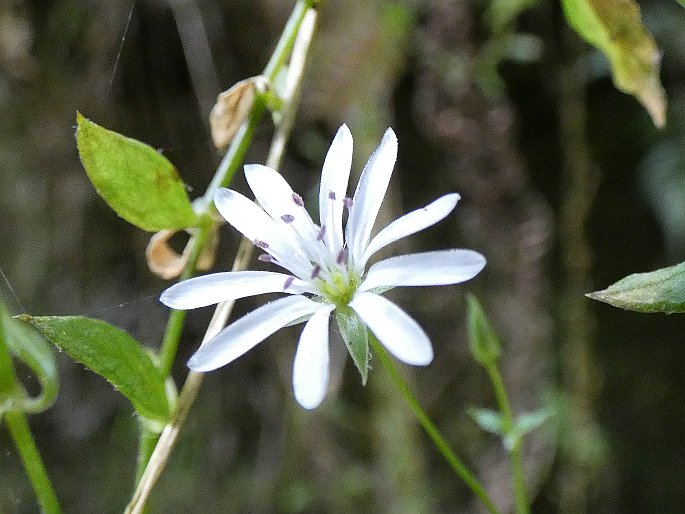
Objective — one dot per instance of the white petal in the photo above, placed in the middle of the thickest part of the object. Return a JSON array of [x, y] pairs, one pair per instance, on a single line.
[[250, 330], [256, 225], [394, 328], [368, 197], [437, 268], [411, 223], [310, 369], [231, 285], [334, 178]]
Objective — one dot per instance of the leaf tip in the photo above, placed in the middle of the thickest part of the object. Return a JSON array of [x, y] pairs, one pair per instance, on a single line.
[[26, 318]]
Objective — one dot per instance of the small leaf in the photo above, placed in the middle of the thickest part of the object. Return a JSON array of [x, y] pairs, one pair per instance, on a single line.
[[487, 419], [112, 354], [356, 337], [532, 420], [615, 28], [135, 180], [29, 346], [662, 290], [483, 340]]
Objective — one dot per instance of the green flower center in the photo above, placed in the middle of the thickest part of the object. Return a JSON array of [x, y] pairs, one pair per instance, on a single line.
[[339, 287]]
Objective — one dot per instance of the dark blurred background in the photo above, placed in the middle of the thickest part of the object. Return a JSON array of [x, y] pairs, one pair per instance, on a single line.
[[566, 187]]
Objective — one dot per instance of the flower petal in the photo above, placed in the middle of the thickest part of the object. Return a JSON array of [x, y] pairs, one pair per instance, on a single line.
[[310, 369], [437, 268], [250, 330], [231, 285], [394, 328], [256, 225], [411, 223], [368, 197], [334, 178]]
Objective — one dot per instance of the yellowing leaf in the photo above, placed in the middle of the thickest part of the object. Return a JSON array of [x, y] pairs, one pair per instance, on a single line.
[[615, 28]]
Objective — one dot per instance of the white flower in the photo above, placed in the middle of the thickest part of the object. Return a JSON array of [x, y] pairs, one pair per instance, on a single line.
[[326, 266]]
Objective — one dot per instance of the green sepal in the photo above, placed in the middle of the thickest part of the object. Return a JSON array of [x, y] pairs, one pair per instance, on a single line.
[[615, 28], [483, 341], [662, 290], [356, 337], [113, 354], [135, 180]]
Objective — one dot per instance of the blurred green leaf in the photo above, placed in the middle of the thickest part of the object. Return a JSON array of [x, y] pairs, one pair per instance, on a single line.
[[112, 354], [662, 290], [30, 347], [483, 340], [487, 419], [135, 180], [356, 337], [532, 420], [615, 28]]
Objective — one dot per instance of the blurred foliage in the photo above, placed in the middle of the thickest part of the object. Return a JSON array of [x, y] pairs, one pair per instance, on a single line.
[[412, 64]]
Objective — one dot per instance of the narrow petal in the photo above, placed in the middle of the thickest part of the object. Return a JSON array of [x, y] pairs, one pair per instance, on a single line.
[[437, 268], [334, 178], [285, 207], [368, 197], [394, 328], [256, 225], [231, 285], [250, 330], [310, 369], [411, 223]]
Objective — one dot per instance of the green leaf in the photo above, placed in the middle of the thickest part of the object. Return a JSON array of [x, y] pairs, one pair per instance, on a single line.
[[487, 419], [356, 337], [30, 347], [135, 180], [112, 354], [532, 420], [615, 28], [483, 340], [662, 290]]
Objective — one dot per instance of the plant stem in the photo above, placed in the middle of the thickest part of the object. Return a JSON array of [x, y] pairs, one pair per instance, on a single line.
[[457, 465], [20, 432], [154, 451], [513, 447]]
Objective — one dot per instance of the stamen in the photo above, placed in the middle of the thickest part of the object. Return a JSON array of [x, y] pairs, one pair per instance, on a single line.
[[342, 257], [347, 201], [288, 282], [288, 218], [316, 271], [321, 233], [331, 195], [261, 244], [298, 200], [265, 257]]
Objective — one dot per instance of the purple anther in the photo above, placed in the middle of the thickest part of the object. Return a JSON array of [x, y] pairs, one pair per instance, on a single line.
[[265, 257], [347, 202], [261, 244], [331, 195], [342, 257], [288, 218], [322, 231], [288, 282], [298, 200], [316, 271]]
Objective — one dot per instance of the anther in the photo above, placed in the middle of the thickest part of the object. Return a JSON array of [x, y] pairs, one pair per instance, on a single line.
[[331, 195], [315, 271], [321, 233], [261, 244], [288, 282], [347, 201], [265, 257], [298, 200], [288, 218], [342, 257]]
